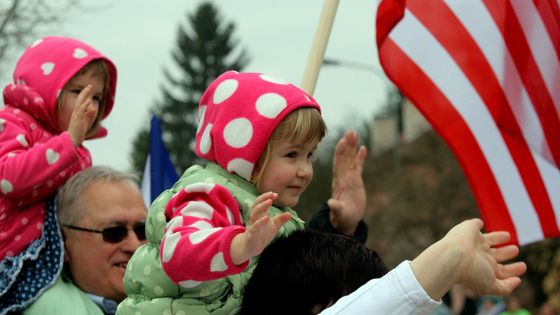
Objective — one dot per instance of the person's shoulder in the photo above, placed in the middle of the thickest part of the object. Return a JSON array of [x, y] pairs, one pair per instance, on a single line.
[[63, 298]]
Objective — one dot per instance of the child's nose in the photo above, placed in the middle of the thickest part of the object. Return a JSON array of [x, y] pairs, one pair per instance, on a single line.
[[305, 169]]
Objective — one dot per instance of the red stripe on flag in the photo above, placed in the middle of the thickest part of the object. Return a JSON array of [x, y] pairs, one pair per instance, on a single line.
[[509, 26], [420, 89], [550, 15], [461, 46], [389, 13]]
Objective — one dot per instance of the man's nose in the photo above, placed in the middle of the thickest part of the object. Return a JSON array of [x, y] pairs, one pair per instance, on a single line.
[[131, 242]]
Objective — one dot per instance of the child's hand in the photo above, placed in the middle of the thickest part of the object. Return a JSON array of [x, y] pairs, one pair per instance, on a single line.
[[83, 116], [348, 201], [262, 230]]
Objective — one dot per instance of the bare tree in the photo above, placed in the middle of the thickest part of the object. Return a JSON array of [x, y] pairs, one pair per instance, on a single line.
[[21, 21]]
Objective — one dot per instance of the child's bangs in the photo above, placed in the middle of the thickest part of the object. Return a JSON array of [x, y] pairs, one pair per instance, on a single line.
[[302, 126], [98, 66]]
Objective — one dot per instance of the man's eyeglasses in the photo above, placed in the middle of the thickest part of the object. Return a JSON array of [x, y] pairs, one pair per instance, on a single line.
[[115, 234]]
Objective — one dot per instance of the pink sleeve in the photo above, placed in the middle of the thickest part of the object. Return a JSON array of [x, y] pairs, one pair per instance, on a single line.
[[203, 219], [30, 171]]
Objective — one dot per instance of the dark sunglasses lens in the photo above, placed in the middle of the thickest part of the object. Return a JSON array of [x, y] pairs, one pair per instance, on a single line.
[[140, 231], [115, 234]]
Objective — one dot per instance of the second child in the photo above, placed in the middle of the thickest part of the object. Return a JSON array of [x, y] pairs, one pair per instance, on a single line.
[[62, 90]]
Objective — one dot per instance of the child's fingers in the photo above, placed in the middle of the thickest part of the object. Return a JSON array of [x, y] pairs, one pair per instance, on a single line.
[[260, 210], [281, 219], [90, 112], [85, 94], [265, 196], [260, 223]]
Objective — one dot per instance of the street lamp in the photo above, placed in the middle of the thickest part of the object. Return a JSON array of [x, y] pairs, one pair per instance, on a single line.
[[355, 65]]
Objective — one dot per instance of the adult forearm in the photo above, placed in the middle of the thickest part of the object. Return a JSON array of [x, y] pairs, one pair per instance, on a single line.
[[437, 268]]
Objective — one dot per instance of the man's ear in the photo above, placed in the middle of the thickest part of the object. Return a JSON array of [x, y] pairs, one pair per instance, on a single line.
[[66, 256]]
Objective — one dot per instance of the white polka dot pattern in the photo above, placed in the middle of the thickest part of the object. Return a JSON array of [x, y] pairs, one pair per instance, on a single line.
[[206, 141], [169, 243], [21, 139], [270, 79], [189, 284], [230, 216], [238, 132], [79, 53], [199, 209], [47, 68], [147, 270], [270, 105], [225, 90], [200, 187], [36, 43], [52, 156], [240, 166], [159, 291], [202, 235], [201, 113], [218, 263], [201, 225], [175, 222], [6, 186]]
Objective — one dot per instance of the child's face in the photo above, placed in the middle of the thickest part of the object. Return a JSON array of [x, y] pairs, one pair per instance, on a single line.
[[289, 171], [71, 91]]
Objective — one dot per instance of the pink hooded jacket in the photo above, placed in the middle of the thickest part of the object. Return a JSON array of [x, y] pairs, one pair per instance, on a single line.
[[36, 157]]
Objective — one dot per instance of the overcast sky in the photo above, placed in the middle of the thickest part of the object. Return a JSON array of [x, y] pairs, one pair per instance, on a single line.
[[139, 35]]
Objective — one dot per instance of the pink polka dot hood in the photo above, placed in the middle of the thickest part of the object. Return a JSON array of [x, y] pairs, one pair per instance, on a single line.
[[238, 114], [43, 70]]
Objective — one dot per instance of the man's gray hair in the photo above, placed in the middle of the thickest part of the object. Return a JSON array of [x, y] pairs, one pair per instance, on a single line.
[[69, 201]]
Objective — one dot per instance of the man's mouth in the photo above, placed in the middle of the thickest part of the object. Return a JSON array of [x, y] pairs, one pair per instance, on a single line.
[[121, 264]]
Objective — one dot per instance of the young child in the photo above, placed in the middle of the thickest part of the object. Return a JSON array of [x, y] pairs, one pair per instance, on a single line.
[[62, 90], [258, 135]]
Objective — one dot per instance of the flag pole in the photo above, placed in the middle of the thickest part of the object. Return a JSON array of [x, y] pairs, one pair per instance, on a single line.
[[319, 46]]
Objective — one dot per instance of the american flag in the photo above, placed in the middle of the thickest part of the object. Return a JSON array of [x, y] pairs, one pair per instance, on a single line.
[[486, 75]]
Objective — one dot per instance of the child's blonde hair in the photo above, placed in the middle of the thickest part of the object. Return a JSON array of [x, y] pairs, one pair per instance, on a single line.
[[300, 126], [98, 66]]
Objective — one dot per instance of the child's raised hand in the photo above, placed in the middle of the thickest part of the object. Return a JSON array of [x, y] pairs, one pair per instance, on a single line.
[[261, 231], [348, 201], [83, 116]]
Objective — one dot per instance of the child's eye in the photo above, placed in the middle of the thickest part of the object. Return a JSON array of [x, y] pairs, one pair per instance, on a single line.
[[97, 98], [75, 91], [291, 155], [310, 155]]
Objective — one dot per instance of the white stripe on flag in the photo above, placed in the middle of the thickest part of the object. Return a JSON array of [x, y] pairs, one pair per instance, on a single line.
[[551, 177], [483, 29], [435, 62], [541, 46]]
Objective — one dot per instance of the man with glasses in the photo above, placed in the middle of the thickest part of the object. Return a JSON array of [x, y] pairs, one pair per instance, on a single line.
[[102, 217]]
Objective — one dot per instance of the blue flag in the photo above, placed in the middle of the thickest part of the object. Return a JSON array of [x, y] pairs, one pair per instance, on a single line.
[[159, 172]]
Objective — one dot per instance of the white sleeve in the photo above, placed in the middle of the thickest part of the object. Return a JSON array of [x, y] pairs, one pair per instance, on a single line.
[[396, 293]]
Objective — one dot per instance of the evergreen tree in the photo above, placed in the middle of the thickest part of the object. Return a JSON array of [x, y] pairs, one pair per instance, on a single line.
[[205, 49]]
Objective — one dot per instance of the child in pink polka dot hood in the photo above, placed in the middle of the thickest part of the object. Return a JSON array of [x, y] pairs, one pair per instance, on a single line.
[[258, 135], [62, 90]]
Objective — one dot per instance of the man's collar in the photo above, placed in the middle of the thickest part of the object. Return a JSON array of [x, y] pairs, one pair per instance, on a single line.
[[108, 306]]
